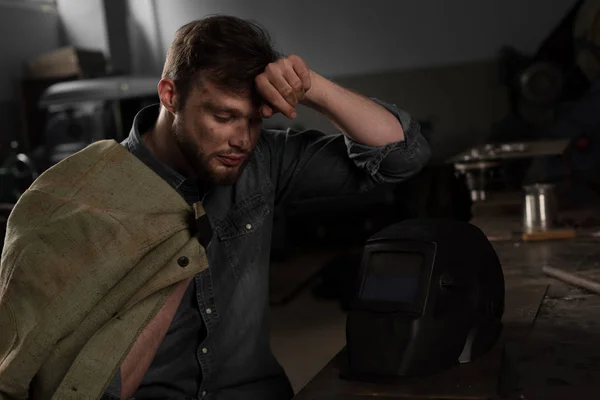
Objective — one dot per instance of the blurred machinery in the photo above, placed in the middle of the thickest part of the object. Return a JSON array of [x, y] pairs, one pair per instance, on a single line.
[[554, 96], [78, 113], [560, 71], [84, 111], [484, 167]]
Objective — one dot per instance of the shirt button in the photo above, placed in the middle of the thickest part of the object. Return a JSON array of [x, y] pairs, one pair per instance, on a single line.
[[204, 350], [204, 393], [208, 310], [248, 226], [183, 261]]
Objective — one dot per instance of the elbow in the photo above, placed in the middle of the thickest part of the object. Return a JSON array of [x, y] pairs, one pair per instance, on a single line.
[[403, 164], [423, 155]]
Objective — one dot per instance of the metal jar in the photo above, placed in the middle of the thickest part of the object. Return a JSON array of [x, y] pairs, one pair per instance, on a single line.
[[539, 208]]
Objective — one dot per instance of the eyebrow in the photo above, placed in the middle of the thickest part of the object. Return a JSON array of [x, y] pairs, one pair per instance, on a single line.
[[210, 106]]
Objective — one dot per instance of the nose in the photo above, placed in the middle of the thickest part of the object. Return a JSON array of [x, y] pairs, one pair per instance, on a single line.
[[242, 138]]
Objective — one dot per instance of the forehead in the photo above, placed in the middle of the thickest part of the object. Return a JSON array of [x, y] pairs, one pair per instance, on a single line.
[[206, 92]]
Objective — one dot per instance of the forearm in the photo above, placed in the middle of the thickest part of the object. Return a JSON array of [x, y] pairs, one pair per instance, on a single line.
[[355, 115], [142, 353]]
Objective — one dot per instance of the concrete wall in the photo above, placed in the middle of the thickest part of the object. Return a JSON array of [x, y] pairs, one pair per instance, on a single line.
[[28, 30], [84, 24], [349, 37], [147, 48], [434, 58], [461, 101]]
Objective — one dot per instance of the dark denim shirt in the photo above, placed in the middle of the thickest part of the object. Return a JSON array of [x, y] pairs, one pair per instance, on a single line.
[[217, 346]]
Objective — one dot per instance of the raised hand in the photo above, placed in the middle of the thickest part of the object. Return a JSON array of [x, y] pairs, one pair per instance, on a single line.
[[283, 85]]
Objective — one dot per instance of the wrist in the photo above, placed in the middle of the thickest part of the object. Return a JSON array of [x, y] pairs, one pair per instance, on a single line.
[[316, 96]]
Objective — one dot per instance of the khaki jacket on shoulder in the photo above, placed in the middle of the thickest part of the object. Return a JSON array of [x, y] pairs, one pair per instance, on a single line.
[[91, 254]]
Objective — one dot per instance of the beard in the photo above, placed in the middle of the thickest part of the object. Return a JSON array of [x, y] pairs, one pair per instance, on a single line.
[[200, 161]]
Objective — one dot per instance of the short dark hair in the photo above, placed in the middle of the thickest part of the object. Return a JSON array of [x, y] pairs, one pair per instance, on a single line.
[[228, 51]]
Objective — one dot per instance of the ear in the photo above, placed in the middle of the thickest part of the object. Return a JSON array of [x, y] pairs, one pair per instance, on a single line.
[[168, 94]]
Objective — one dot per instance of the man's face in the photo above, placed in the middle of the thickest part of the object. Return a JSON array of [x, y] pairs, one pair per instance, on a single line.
[[216, 131]]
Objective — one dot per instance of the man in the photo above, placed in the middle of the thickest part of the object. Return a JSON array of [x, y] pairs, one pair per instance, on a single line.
[[198, 329]]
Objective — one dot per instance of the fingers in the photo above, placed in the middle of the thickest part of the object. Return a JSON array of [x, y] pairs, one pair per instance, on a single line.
[[266, 111], [295, 84], [272, 96], [302, 71], [285, 80], [283, 85]]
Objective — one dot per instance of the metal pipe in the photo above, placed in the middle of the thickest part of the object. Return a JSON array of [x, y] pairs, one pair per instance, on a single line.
[[572, 279]]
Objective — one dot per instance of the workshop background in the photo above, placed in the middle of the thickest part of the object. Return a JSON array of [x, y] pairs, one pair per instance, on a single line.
[[436, 59], [506, 92]]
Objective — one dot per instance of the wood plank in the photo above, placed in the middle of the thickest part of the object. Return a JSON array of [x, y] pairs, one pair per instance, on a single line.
[[562, 360], [549, 235]]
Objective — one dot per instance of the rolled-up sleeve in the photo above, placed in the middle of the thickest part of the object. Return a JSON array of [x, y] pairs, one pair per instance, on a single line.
[[311, 164], [393, 162]]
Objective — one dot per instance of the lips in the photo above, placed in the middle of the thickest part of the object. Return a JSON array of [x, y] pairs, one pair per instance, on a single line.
[[231, 160]]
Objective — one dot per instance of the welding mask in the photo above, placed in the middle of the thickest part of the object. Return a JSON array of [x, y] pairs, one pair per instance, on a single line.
[[430, 294]]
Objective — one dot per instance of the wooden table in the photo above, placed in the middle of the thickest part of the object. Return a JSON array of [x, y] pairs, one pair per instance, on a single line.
[[550, 347]]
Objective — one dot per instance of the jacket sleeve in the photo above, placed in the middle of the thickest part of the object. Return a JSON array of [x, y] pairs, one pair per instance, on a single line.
[[9, 389], [311, 164], [27, 290]]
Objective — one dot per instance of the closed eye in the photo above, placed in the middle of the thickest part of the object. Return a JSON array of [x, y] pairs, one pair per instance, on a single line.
[[224, 118]]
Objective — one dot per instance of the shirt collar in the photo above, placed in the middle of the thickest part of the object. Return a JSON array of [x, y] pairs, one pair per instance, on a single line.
[[143, 122]]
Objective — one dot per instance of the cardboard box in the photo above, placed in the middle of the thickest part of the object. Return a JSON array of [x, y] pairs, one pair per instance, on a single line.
[[67, 62]]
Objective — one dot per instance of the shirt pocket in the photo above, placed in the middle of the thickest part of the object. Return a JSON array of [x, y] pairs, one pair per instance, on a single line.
[[241, 231]]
